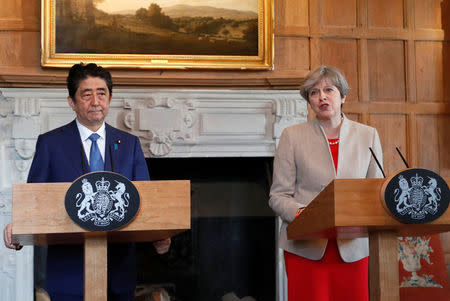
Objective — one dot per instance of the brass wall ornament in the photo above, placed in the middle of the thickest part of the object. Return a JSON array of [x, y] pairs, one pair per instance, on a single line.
[[158, 37]]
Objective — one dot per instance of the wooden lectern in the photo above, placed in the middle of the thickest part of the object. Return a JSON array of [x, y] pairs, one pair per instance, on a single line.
[[351, 208], [39, 218]]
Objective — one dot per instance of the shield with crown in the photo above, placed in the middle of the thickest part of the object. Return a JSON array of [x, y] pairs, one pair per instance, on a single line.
[[103, 202], [418, 196]]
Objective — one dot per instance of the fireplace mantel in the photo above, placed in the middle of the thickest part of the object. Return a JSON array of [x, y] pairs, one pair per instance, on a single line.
[[169, 123]]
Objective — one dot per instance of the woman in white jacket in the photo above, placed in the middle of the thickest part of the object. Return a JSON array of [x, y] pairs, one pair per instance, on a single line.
[[309, 156]]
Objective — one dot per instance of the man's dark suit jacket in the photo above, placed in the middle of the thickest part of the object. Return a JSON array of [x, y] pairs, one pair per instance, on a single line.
[[60, 157]]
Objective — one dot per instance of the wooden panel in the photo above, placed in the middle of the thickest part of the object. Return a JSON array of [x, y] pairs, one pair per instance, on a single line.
[[393, 133], [31, 12], [17, 47], [96, 271], [20, 15], [434, 143], [432, 72], [427, 150], [9, 56], [383, 266], [291, 13], [445, 15], [342, 54], [386, 13], [293, 53], [428, 14], [410, 72], [443, 130], [352, 116], [11, 9], [31, 9], [386, 70], [333, 14]]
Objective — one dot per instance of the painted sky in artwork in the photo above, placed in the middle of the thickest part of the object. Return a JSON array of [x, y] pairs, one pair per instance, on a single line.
[[112, 6]]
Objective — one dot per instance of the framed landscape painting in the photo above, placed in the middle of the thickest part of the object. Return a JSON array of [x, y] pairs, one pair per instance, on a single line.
[[158, 34]]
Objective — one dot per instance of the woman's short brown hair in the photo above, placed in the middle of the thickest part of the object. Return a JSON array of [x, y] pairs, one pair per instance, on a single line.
[[332, 74]]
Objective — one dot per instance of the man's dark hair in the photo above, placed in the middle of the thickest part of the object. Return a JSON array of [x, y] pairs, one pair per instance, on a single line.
[[80, 72]]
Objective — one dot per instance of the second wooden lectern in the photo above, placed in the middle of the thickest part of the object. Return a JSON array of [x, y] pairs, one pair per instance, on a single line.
[[351, 208], [39, 218]]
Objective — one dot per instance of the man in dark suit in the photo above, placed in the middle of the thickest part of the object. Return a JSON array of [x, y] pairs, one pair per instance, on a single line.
[[88, 144]]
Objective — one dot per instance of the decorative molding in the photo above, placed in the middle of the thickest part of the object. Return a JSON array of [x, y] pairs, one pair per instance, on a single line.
[[288, 111], [6, 107], [170, 123], [26, 107], [5, 204], [20, 24], [19, 126], [161, 144], [7, 272], [14, 265], [24, 148], [163, 121]]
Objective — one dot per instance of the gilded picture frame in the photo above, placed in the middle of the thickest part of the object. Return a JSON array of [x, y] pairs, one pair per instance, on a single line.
[[158, 37]]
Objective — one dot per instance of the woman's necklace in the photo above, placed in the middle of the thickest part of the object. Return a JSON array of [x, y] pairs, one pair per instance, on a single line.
[[334, 142]]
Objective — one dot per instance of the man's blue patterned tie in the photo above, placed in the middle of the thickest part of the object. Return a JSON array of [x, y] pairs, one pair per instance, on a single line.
[[95, 158]]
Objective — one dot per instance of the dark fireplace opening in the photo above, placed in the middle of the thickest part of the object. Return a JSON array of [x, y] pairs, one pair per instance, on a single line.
[[230, 248]]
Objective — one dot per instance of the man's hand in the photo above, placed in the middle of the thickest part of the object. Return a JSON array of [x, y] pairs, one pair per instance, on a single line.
[[7, 237], [162, 246]]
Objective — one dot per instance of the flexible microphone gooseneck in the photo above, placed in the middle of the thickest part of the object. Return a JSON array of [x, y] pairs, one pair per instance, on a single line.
[[111, 158], [378, 163], [403, 158], [83, 169]]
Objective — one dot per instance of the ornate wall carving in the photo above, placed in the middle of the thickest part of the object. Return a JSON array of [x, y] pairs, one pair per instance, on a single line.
[[160, 121], [16, 150]]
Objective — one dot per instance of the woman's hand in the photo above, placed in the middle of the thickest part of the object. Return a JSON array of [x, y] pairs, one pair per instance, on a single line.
[[299, 211], [7, 237], [162, 246]]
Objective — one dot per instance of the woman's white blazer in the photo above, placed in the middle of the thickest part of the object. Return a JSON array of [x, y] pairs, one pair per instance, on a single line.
[[303, 166]]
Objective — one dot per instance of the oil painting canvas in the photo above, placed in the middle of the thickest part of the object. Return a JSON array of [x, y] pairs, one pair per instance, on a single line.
[[196, 33]]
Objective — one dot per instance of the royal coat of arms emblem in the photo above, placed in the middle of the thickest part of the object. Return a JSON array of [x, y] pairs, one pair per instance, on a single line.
[[417, 200], [417, 196], [104, 205]]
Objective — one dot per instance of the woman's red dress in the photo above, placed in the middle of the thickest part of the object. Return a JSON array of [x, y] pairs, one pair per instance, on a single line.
[[328, 279]]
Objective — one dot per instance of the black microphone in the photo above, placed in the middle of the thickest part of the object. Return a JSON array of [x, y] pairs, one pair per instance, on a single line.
[[403, 158], [378, 163], [111, 157], [82, 159]]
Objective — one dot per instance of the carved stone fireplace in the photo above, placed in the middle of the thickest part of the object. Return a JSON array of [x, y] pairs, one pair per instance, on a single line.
[[170, 124]]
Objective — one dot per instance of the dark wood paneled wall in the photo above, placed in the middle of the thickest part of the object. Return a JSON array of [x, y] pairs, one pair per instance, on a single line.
[[395, 54]]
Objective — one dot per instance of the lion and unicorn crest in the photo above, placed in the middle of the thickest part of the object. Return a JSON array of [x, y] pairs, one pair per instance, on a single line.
[[104, 205], [417, 200]]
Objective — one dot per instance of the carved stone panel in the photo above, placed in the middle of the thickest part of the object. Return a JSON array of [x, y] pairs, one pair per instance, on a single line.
[[18, 130]]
